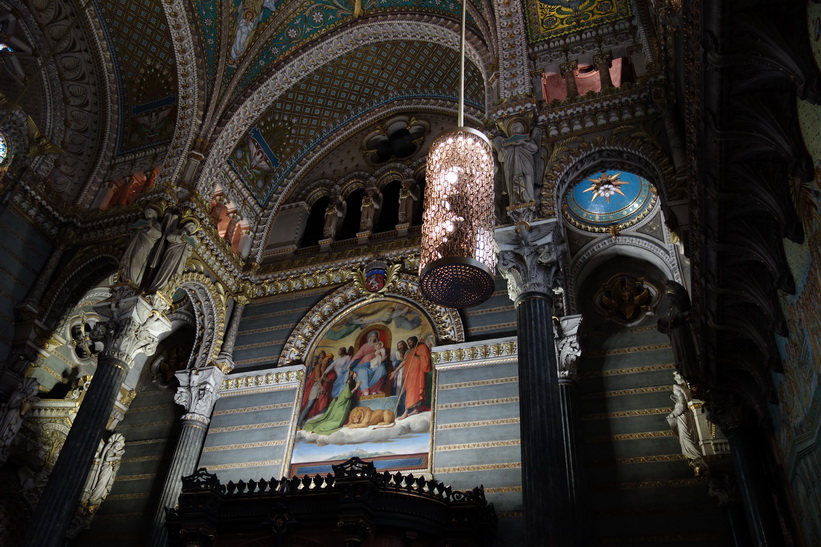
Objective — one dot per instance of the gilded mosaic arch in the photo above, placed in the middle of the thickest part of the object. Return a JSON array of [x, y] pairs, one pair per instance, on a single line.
[[654, 252], [447, 324], [79, 276], [208, 303], [190, 90]]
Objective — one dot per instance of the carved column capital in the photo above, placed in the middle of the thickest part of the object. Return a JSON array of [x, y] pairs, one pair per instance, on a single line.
[[530, 257], [568, 69], [568, 347], [198, 392], [129, 326], [602, 61]]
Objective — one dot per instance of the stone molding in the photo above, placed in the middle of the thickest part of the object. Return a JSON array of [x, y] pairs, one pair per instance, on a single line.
[[472, 353], [259, 381]]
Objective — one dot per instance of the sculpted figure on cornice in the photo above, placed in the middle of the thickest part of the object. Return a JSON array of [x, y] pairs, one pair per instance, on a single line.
[[334, 216], [158, 251], [522, 157]]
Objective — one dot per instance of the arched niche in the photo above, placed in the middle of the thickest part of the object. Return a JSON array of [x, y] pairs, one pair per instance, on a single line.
[[447, 324]]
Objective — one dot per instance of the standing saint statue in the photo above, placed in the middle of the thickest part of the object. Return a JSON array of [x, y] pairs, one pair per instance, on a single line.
[[135, 258], [14, 412], [677, 326], [408, 198], [334, 215], [179, 243], [522, 163], [101, 477], [680, 420], [371, 203]]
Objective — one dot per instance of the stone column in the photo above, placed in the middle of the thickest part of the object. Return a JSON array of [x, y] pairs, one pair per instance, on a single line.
[[529, 256], [568, 350], [749, 454], [602, 62], [568, 72], [130, 326], [225, 359], [198, 393]]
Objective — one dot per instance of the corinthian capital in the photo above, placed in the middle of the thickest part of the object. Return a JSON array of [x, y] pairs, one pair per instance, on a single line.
[[568, 348], [530, 257], [198, 392], [129, 326]]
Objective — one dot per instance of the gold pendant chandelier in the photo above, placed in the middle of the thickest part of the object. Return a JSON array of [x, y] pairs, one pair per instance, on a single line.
[[457, 258]]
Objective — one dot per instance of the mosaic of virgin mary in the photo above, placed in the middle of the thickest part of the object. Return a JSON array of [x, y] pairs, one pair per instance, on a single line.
[[367, 392]]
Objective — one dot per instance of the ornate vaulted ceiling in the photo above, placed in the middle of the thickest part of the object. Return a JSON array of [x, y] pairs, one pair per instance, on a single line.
[[337, 95], [143, 60]]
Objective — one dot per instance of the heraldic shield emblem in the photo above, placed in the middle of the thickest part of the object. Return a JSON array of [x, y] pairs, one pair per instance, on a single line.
[[376, 277]]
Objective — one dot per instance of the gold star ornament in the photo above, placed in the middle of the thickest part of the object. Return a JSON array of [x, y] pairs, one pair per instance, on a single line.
[[605, 186]]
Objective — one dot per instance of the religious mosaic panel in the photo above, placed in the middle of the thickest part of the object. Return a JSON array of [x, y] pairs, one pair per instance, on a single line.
[[550, 19], [368, 390]]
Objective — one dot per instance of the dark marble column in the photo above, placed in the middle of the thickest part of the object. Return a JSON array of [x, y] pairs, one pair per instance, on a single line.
[[198, 392], [529, 257], [60, 496], [749, 454], [129, 326]]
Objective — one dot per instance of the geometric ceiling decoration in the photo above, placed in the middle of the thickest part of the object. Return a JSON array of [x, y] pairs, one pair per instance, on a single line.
[[608, 199], [295, 25], [549, 19], [363, 81], [145, 71]]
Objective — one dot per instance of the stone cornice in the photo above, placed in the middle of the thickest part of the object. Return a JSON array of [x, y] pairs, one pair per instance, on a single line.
[[260, 381]]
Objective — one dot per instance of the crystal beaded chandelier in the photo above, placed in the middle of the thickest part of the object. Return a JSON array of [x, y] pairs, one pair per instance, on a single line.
[[457, 258]]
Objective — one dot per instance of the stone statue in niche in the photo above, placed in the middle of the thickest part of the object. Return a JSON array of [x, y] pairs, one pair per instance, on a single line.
[[521, 157], [144, 238], [157, 251], [334, 215], [101, 477], [179, 243], [681, 420], [677, 326], [14, 412], [408, 198], [371, 204]]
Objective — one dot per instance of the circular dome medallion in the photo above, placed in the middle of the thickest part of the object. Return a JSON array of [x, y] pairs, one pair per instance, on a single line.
[[4, 149], [608, 198]]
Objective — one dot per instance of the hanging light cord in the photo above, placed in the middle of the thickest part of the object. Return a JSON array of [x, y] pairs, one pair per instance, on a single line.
[[460, 119]]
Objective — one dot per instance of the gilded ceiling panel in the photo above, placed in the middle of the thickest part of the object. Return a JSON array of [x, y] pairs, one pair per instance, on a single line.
[[144, 66], [549, 19], [365, 80]]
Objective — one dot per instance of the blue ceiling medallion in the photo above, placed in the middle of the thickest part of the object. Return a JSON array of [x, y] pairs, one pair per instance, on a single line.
[[608, 198]]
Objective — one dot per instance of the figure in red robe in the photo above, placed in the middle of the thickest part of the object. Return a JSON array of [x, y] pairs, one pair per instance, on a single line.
[[416, 366]]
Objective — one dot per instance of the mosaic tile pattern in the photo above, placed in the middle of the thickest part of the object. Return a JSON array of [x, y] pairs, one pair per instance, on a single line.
[[549, 19], [144, 69], [316, 18], [359, 80]]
